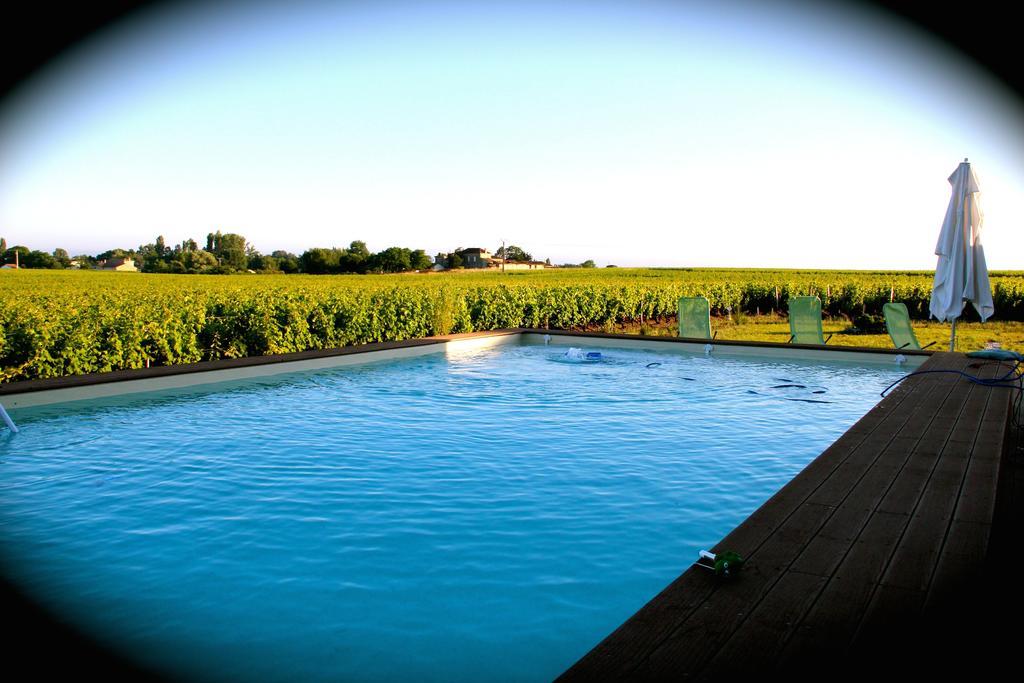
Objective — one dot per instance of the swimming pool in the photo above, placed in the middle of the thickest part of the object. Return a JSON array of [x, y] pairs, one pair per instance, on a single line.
[[487, 513]]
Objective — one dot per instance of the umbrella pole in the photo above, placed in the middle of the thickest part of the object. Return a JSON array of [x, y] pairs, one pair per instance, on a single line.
[[952, 335]]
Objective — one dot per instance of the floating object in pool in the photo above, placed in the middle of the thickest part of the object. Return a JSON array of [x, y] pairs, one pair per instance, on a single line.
[[653, 365], [723, 564], [789, 395], [580, 355]]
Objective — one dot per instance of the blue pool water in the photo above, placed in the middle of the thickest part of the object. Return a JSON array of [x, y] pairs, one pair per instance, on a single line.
[[489, 515]]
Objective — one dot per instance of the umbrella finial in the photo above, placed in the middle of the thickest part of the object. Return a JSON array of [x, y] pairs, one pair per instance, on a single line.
[[965, 160]]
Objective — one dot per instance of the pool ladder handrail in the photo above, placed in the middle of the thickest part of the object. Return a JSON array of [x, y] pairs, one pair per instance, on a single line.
[[7, 420]]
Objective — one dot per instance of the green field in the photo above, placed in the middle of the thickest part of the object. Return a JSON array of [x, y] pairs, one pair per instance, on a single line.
[[56, 323]]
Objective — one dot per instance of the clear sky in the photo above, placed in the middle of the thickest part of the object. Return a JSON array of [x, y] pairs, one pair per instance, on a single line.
[[746, 134]]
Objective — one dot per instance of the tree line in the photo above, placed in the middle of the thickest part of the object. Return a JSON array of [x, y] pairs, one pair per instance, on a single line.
[[225, 253]]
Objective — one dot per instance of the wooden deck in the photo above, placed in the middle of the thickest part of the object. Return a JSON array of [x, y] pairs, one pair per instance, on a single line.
[[888, 552]]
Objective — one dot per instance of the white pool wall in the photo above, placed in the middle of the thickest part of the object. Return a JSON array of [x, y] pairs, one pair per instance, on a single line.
[[832, 354], [204, 377]]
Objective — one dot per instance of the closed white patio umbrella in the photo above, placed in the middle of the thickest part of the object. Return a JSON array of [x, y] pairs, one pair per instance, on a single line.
[[961, 274]]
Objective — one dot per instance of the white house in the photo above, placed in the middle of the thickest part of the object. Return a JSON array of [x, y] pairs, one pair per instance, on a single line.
[[122, 264]]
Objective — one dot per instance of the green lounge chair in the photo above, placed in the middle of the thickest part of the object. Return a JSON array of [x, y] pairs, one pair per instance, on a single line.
[[695, 318], [897, 322], [805, 320]]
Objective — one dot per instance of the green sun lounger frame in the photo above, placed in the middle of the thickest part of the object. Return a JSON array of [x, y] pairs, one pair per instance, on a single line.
[[695, 318], [897, 323], [805, 321]]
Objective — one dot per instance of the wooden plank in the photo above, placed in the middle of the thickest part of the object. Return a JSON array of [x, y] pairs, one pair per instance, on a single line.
[[847, 475], [870, 553], [703, 632], [912, 563], [626, 648], [914, 558], [838, 485], [977, 502], [889, 623], [909, 484], [827, 549], [833, 620], [825, 634], [990, 443], [961, 562], [769, 625]]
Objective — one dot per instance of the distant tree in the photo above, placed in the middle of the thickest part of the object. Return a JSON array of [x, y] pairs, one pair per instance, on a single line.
[[286, 261], [355, 259], [419, 260], [264, 264], [85, 261], [391, 260], [454, 260], [157, 257], [513, 253], [198, 261], [320, 261], [230, 250], [3, 246], [358, 249], [39, 259], [61, 257], [112, 253], [16, 254], [589, 263], [152, 257]]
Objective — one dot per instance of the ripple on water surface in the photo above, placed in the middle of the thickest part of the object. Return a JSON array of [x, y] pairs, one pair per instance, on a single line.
[[489, 515]]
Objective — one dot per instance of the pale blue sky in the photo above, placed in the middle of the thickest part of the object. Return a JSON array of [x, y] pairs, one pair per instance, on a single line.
[[734, 133]]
